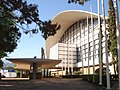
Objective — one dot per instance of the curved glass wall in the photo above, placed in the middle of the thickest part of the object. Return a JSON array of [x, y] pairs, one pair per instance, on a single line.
[[78, 34]]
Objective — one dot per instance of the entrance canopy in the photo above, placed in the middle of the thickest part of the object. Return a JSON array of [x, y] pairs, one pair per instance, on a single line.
[[24, 63]]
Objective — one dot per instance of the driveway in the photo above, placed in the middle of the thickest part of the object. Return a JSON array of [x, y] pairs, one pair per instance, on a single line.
[[47, 84]]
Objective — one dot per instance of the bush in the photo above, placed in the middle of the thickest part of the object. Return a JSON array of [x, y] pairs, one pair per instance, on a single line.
[[71, 76], [104, 81], [98, 70], [85, 77]]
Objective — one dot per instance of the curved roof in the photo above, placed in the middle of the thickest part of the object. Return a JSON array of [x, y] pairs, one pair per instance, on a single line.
[[65, 19]]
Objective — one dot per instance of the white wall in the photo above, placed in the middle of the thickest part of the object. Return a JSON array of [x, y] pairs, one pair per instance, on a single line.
[[54, 52]]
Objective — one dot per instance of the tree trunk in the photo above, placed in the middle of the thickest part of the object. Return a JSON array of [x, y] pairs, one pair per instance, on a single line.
[[114, 68], [0, 76]]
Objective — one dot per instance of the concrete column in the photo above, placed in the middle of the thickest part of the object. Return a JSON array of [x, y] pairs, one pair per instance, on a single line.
[[34, 70], [47, 72], [44, 73]]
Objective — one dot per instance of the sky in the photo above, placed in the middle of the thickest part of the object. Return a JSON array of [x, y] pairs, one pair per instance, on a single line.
[[30, 45]]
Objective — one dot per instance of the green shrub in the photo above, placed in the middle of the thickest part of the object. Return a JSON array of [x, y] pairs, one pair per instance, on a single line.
[[97, 77]]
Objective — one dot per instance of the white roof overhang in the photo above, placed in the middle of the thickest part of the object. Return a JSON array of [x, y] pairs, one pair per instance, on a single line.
[[24, 63]]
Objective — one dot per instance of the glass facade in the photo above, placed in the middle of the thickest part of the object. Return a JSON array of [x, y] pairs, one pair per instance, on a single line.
[[78, 34], [76, 45]]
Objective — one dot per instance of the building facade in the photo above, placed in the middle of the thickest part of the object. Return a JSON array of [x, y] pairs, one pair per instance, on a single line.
[[77, 42]]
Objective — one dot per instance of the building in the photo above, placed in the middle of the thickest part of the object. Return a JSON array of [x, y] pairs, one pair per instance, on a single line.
[[33, 68], [77, 42]]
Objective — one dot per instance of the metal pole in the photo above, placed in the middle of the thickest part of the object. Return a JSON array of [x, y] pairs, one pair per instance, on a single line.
[[100, 48], [68, 59], [88, 49], [106, 47], [93, 44], [81, 50], [118, 36], [71, 61]]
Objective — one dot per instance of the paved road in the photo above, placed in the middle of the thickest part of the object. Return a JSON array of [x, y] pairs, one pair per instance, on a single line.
[[47, 84]]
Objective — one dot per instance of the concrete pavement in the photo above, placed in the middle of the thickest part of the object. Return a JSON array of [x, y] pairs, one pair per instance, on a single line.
[[47, 84]]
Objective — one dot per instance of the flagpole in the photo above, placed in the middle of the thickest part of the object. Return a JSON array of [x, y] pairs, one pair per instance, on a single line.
[[93, 43], [106, 47], [66, 59], [88, 49], [118, 36], [100, 48], [71, 62], [68, 54], [81, 50]]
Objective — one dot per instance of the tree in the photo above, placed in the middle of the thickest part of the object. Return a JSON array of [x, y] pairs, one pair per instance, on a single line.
[[112, 42], [81, 2], [27, 14], [16, 15], [9, 34], [1, 63], [103, 71]]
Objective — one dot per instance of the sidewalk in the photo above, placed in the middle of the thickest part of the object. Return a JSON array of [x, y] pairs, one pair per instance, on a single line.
[[47, 84]]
